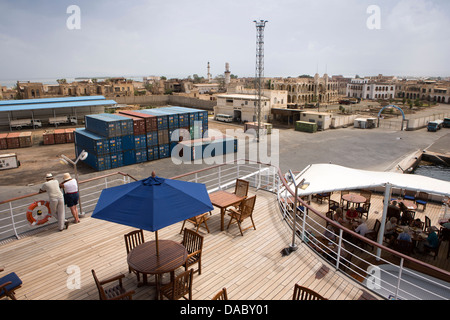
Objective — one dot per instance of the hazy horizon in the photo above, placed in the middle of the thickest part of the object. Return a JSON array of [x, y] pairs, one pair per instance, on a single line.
[[177, 38]]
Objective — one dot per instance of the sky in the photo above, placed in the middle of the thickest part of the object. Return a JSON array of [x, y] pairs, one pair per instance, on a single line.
[[177, 38]]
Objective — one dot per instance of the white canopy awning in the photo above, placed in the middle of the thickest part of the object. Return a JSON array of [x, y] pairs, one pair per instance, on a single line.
[[330, 177]]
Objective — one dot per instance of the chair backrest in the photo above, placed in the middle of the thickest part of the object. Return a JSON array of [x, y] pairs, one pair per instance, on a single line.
[[410, 193], [393, 212], [403, 246], [302, 293], [377, 226], [221, 295], [427, 223], [366, 194], [241, 188], [422, 196], [192, 241], [133, 239], [182, 285], [247, 207]]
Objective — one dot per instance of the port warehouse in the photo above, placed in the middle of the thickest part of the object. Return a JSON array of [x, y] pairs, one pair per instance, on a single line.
[[130, 137], [44, 109]]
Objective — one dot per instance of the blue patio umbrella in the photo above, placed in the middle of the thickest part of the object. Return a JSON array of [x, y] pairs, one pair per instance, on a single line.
[[153, 203]]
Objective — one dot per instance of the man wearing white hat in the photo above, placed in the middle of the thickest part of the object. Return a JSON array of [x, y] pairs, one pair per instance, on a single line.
[[56, 200]]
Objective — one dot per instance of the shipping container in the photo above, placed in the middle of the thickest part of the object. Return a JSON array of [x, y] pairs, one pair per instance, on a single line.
[[141, 155], [49, 137], [138, 124], [152, 138], [91, 142], [99, 162], [304, 126], [103, 126], [12, 140], [115, 144], [164, 151], [193, 114], [208, 147], [9, 161], [152, 153], [129, 157], [60, 136], [126, 123], [70, 135], [140, 141], [150, 120], [161, 119], [128, 142], [116, 160], [163, 137], [25, 139], [3, 142], [183, 116]]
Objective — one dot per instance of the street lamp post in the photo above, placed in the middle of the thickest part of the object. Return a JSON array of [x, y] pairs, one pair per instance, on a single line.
[[65, 160]]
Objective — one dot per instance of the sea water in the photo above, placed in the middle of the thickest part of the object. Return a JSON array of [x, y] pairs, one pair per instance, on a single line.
[[433, 171]]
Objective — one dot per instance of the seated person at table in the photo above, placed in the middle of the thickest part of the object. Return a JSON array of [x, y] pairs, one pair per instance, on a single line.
[[404, 236], [431, 242], [329, 233], [352, 213], [362, 227], [393, 210], [338, 216], [407, 218], [389, 229], [416, 224]]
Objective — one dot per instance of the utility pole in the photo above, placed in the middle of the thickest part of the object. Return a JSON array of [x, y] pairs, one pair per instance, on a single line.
[[259, 75]]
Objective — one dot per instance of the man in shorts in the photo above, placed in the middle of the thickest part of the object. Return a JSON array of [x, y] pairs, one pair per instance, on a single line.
[[56, 199]]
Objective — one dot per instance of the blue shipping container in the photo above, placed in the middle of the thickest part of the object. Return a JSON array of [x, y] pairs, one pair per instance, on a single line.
[[161, 119], [102, 125], [91, 142], [126, 123], [183, 116], [141, 155], [140, 141], [115, 144], [164, 151], [98, 162], [152, 153], [152, 139], [127, 142], [116, 160], [129, 157]]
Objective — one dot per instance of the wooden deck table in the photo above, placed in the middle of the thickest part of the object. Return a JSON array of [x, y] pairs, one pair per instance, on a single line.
[[354, 198], [143, 259], [223, 200]]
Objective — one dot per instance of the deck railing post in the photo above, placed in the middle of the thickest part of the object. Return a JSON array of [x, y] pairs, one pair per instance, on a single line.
[[220, 172], [399, 278], [338, 258], [12, 220]]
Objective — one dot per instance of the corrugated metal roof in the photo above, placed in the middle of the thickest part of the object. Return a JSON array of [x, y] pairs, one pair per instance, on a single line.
[[56, 105], [50, 100]]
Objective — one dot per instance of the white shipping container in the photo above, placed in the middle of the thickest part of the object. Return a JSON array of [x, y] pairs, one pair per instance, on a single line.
[[9, 161]]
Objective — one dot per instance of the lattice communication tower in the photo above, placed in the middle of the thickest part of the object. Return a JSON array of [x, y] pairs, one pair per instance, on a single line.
[[259, 74]]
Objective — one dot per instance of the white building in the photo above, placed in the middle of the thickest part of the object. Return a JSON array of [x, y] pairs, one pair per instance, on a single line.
[[365, 89]]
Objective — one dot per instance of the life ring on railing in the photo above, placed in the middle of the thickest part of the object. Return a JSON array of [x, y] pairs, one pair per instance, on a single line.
[[33, 206]]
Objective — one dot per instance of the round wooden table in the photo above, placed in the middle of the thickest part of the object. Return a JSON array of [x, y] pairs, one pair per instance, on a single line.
[[354, 198], [143, 259]]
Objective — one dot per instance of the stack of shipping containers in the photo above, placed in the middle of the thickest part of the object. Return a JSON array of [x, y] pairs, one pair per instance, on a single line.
[[130, 137]]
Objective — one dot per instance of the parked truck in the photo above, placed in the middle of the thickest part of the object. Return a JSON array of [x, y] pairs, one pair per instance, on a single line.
[[56, 121], [434, 126], [20, 123]]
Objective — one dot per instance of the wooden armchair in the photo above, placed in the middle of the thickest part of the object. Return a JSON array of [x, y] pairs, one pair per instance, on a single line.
[[193, 242], [9, 284], [132, 240], [409, 195], [403, 246], [302, 293], [422, 199], [117, 292], [333, 205], [364, 210], [322, 196], [197, 221], [428, 227], [221, 295], [245, 211], [179, 287], [241, 188]]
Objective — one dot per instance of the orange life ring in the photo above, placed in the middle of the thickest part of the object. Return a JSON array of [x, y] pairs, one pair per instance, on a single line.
[[33, 206]]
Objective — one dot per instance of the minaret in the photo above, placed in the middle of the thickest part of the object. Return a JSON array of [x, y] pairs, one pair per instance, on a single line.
[[209, 73], [227, 74]]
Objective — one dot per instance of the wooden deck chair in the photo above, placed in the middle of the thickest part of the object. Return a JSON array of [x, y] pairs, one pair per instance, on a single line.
[[193, 242], [221, 295], [241, 188], [244, 211], [428, 227], [179, 287], [132, 240], [302, 293], [117, 292], [422, 199], [197, 221], [409, 195], [9, 284]]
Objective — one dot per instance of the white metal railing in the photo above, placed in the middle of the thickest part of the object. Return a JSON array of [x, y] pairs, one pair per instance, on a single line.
[[345, 257], [13, 220]]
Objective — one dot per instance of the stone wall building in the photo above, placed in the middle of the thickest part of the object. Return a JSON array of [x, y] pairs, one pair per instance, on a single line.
[[427, 90]]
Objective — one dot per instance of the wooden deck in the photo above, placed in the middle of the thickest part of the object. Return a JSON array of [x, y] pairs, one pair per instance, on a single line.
[[250, 267]]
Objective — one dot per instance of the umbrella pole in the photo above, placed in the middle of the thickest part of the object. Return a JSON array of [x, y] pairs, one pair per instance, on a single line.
[[157, 246]]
